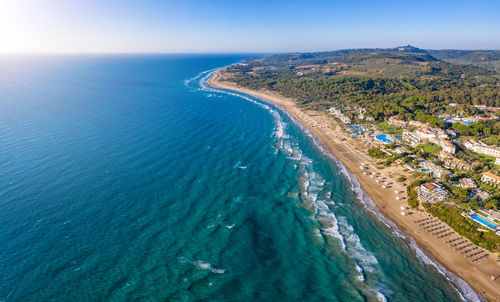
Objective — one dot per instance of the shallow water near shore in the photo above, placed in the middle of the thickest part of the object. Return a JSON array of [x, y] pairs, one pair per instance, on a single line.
[[127, 178]]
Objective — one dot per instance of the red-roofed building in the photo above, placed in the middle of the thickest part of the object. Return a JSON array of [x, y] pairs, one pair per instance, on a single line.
[[452, 162], [397, 122], [491, 178]]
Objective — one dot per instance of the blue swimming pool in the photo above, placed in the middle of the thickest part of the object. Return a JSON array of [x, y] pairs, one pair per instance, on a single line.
[[383, 138], [483, 221]]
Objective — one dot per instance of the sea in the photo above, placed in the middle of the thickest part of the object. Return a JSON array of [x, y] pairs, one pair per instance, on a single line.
[[128, 178]]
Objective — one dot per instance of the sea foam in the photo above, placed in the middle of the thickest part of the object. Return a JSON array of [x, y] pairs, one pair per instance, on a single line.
[[462, 287]]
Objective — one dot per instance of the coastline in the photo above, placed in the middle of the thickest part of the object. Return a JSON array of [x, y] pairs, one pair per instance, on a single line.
[[352, 153]]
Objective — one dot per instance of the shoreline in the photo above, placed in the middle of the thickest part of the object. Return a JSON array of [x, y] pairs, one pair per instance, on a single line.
[[352, 153]]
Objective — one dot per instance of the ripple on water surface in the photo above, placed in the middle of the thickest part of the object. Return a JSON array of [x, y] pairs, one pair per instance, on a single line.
[[128, 178]]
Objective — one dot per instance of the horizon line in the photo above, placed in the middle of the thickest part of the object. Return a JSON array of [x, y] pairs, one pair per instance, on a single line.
[[208, 52]]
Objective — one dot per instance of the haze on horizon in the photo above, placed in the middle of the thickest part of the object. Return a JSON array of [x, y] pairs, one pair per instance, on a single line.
[[219, 26]]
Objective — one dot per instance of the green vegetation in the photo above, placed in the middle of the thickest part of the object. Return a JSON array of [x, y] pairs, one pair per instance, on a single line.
[[412, 84], [393, 158], [376, 153], [482, 162], [451, 215], [390, 129], [466, 56], [408, 82], [479, 129], [486, 158], [489, 188], [416, 99], [412, 193], [486, 58], [397, 62], [493, 202], [430, 148]]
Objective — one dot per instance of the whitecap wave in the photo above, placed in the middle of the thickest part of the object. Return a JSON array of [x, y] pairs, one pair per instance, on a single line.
[[361, 276], [333, 231], [381, 297], [208, 266], [462, 287], [355, 248]]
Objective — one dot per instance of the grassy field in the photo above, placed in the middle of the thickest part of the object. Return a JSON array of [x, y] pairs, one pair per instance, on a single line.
[[487, 158], [390, 129], [430, 148]]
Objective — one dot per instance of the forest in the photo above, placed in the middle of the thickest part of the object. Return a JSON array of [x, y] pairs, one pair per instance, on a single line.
[[405, 81], [381, 97]]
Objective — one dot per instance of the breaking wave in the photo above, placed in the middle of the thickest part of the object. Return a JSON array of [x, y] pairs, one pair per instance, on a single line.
[[208, 266], [311, 184]]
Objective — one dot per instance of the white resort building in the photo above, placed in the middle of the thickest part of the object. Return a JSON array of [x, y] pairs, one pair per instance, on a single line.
[[417, 124], [480, 194], [452, 162], [411, 139], [433, 135], [480, 147], [431, 192], [490, 178], [337, 113], [397, 122], [467, 183], [435, 169], [445, 145]]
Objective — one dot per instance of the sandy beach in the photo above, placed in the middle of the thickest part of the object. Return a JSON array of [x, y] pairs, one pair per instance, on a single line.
[[352, 152]]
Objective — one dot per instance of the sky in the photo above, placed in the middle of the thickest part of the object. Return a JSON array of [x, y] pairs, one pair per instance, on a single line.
[[264, 26]]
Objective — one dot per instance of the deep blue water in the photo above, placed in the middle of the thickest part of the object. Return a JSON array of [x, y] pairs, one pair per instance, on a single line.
[[123, 179]]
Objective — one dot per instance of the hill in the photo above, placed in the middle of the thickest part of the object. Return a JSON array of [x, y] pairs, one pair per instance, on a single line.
[[484, 58], [403, 62], [406, 81]]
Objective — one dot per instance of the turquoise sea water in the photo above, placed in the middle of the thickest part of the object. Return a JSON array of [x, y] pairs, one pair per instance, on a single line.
[[126, 178]]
